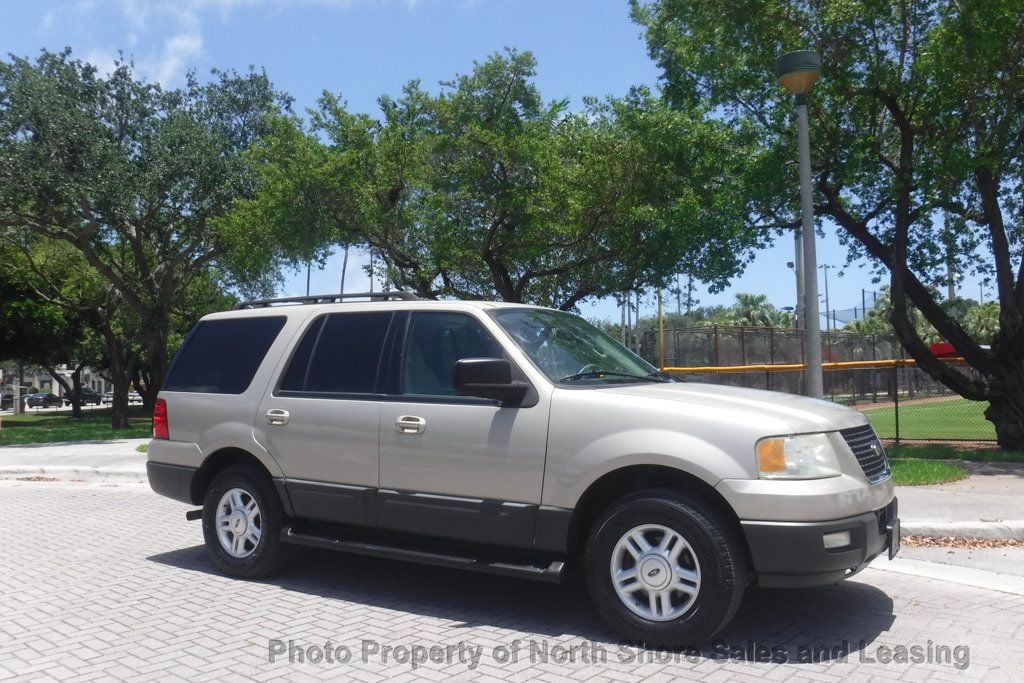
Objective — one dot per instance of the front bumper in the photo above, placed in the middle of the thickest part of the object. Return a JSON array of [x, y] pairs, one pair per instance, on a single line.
[[793, 554]]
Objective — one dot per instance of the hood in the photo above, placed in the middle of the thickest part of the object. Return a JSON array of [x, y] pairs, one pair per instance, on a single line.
[[801, 413]]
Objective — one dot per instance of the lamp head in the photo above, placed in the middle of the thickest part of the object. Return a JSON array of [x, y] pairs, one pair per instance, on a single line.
[[798, 71]]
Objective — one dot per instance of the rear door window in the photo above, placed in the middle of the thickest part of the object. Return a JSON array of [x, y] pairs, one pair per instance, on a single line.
[[339, 353], [222, 356]]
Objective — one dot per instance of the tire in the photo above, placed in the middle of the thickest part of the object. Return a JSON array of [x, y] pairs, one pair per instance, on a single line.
[[697, 581], [248, 543]]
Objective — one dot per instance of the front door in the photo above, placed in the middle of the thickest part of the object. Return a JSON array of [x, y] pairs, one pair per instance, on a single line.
[[457, 466]]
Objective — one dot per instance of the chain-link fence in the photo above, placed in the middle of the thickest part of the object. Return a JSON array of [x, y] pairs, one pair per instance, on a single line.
[[902, 401]]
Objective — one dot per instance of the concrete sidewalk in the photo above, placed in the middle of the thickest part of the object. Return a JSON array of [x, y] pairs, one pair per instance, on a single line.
[[113, 461], [988, 504]]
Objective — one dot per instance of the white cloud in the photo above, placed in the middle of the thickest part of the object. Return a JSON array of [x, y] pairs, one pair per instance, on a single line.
[[176, 26], [179, 52], [103, 60]]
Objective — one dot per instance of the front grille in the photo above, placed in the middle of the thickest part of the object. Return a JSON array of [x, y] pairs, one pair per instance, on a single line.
[[868, 449]]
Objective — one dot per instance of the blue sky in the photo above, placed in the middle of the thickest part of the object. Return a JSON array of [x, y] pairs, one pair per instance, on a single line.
[[366, 48]]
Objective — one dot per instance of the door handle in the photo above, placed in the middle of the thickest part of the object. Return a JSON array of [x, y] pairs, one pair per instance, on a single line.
[[276, 416], [410, 424]]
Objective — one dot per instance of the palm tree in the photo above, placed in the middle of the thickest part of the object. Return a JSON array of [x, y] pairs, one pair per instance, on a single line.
[[753, 310]]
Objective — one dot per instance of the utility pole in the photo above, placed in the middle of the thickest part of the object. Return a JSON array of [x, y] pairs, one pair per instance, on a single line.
[[309, 268], [950, 241], [622, 325], [798, 268], [344, 267], [828, 310], [629, 320]]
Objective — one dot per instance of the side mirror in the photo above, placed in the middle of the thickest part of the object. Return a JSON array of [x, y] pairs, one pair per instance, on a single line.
[[488, 378]]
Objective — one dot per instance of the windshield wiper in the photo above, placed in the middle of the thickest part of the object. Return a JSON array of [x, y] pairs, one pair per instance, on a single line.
[[598, 374], [660, 374]]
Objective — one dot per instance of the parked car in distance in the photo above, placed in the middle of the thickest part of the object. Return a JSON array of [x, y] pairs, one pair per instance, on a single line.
[[514, 440], [43, 400], [89, 397], [133, 397]]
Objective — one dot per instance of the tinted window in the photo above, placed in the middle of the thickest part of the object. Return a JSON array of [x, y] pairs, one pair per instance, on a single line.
[[295, 376], [221, 356], [435, 342], [347, 353]]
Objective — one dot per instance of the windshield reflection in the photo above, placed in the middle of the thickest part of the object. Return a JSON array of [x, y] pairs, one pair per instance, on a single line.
[[570, 350]]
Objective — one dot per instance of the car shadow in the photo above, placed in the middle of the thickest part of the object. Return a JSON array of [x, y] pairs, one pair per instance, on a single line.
[[832, 622]]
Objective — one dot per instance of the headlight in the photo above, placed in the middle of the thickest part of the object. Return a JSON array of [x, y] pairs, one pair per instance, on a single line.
[[805, 456]]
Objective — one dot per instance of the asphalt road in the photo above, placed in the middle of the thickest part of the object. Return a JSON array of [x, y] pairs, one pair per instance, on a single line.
[[111, 581]]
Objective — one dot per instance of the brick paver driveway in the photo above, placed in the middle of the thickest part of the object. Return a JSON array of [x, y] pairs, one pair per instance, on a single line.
[[112, 582]]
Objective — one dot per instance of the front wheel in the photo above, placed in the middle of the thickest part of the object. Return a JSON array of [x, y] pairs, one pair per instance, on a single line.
[[664, 569], [242, 521]]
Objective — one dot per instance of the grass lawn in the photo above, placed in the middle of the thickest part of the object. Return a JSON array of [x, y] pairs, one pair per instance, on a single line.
[[50, 427], [943, 452], [955, 419], [936, 463], [921, 472]]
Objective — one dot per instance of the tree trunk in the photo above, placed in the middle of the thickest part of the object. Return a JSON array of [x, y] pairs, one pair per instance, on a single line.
[[156, 355], [76, 393], [121, 372], [1006, 412]]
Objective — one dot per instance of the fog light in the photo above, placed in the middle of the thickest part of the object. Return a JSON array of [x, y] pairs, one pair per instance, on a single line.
[[836, 539]]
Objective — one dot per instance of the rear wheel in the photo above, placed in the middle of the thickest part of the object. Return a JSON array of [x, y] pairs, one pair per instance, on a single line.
[[242, 521], [665, 569]]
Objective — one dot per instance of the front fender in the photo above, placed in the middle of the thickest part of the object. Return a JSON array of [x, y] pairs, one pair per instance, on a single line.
[[570, 474]]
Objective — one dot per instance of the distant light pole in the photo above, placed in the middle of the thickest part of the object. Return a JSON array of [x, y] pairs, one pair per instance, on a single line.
[[797, 72], [829, 319]]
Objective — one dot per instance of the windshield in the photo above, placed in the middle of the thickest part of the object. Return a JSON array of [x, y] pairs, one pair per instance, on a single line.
[[568, 349]]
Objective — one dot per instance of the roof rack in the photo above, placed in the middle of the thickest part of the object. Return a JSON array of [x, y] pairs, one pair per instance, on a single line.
[[329, 299]]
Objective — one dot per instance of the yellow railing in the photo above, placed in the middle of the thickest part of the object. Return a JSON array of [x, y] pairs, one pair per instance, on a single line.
[[782, 367]]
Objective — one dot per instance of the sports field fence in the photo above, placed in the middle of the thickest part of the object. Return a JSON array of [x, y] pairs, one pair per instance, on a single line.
[[866, 371]]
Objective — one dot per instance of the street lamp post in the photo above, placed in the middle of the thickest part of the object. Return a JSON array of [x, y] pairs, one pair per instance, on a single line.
[[797, 72]]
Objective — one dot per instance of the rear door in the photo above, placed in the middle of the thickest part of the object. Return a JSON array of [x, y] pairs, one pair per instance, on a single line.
[[458, 466], [320, 420]]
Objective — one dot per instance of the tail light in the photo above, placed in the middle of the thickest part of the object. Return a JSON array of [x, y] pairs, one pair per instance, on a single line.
[[161, 429]]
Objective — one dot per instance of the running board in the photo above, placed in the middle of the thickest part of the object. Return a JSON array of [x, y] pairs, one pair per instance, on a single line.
[[553, 573]]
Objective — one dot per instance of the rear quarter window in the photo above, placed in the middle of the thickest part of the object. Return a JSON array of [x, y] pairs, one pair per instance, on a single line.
[[222, 356]]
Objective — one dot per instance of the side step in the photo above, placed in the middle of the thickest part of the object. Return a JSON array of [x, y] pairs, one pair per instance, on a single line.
[[553, 573]]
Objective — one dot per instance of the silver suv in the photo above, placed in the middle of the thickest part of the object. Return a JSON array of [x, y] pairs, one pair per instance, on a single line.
[[514, 440]]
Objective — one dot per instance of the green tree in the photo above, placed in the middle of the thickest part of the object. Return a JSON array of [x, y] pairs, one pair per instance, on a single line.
[[56, 310], [752, 310], [920, 111], [982, 321], [134, 178], [486, 190]]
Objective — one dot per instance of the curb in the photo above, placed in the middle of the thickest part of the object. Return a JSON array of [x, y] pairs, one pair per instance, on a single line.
[[1002, 529], [90, 474], [965, 576]]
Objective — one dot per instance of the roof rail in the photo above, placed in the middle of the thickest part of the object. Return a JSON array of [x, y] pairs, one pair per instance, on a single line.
[[328, 299]]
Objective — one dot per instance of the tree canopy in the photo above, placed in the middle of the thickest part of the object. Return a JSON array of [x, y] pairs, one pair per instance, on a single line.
[[917, 140], [133, 177], [484, 189]]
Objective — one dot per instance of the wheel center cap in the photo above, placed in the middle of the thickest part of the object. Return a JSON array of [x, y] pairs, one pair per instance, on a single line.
[[655, 572], [239, 524]]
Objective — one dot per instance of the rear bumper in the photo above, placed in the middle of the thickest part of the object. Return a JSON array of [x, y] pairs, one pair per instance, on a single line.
[[793, 554], [173, 481]]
